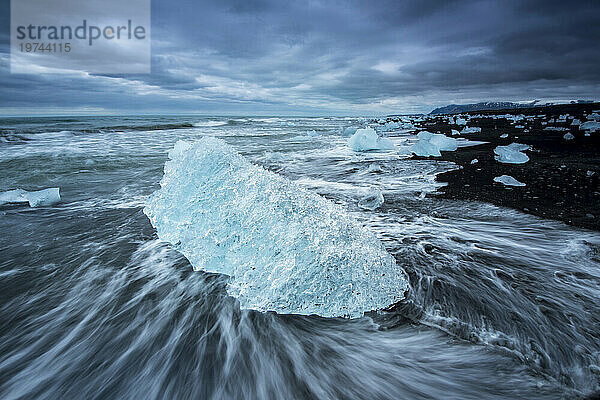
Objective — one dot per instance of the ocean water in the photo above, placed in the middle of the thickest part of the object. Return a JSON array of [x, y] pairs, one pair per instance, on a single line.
[[93, 305]]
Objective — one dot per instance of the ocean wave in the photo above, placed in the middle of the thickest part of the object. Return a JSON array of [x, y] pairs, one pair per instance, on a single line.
[[285, 248], [208, 124]]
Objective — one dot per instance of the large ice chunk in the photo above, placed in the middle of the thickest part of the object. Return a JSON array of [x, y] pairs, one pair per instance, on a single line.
[[40, 198], [285, 248], [430, 144], [511, 154], [366, 139]]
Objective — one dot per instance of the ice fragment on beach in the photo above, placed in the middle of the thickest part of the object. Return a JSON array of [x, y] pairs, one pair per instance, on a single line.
[[568, 136], [473, 129], [372, 201], [508, 180], [594, 117], [504, 136], [576, 122], [45, 197], [461, 121], [285, 248], [474, 161], [430, 144], [455, 132], [366, 140], [511, 154], [591, 126]]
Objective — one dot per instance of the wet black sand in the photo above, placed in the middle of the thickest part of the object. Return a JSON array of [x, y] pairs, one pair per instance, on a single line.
[[562, 177]]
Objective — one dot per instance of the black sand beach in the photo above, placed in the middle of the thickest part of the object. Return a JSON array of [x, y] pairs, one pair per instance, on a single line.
[[562, 176]]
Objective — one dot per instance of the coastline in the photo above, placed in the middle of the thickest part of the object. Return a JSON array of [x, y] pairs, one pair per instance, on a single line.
[[562, 176]]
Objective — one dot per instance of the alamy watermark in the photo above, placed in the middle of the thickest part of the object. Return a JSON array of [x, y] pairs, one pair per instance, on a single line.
[[109, 36]]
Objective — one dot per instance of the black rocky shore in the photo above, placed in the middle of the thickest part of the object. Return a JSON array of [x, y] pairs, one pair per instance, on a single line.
[[562, 176]]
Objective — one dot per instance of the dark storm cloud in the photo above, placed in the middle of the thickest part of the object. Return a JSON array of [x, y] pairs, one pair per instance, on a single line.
[[354, 56]]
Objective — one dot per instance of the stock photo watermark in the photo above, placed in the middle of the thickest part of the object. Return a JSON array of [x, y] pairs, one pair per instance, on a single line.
[[112, 36]]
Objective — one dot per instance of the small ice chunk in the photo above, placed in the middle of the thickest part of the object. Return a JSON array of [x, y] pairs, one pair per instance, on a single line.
[[372, 201], [504, 136], [443, 142], [519, 126], [13, 196], [374, 168], [312, 133], [390, 126], [568, 136], [455, 132], [366, 139], [508, 180], [349, 131], [511, 154], [591, 126], [576, 122], [473, 129], [594, 117], [430, 144], [45, 197], [461, 121], [424, 148], [474, 161]]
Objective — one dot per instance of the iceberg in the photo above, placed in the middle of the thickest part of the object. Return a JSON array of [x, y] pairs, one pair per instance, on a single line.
[[40, 198], [511, 154], [372, 201], [430, 144], [285, 248], [366, 140], [508, 180]]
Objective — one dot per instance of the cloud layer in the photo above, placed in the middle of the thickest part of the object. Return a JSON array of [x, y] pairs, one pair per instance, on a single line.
[[342, 57]]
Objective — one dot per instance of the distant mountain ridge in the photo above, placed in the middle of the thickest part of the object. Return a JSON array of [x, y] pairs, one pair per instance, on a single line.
[[487, 105]]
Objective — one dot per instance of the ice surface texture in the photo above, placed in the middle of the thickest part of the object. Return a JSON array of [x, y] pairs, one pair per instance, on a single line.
[[511, 154], [45, 197], [508, 180], [285, 248], [366, 140], [430, 144]]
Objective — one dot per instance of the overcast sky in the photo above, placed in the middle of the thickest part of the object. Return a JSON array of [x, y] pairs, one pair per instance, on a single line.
[[334, 57]]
